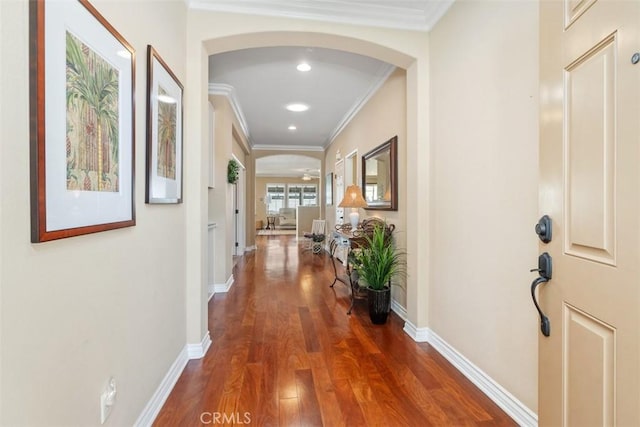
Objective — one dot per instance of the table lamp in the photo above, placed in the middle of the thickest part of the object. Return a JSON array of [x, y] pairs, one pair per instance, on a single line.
[[353, 199]]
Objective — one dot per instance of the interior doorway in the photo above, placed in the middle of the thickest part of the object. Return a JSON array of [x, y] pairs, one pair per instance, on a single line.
[[238, 212]]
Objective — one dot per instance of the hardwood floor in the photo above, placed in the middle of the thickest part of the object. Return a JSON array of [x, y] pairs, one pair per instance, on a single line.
[[285, 353]]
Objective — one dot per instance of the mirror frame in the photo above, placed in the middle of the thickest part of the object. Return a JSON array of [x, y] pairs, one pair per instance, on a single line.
[[392, 147]]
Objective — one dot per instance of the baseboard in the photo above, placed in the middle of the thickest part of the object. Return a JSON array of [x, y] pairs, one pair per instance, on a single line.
[[151, 411], [398, 309], [197, 351], [418, 334], [217, 288], [189, 351], [522, 415]]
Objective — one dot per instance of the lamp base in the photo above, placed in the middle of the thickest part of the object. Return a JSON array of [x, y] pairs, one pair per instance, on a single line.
[[354, 217]]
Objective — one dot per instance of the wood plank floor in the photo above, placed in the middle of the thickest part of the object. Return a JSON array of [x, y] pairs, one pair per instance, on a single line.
[[285, 353]]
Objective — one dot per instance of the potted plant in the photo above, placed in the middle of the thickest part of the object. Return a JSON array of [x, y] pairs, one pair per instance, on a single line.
[[376, 263]]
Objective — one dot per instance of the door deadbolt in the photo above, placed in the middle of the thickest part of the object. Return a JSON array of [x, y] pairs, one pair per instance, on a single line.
[[543, 229]]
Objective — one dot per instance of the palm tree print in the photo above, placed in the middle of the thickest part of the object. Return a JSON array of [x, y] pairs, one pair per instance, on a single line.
[[92, 119], [166, 135]]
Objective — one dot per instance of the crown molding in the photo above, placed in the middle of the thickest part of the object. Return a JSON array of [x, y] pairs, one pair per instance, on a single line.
[[420, 18], [382, 76], [229, 92], [288, 147], [438, 9], [286, 175]]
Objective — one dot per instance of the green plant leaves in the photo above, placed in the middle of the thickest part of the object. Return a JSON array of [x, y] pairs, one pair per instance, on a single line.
[[233, 170], [379, 261]]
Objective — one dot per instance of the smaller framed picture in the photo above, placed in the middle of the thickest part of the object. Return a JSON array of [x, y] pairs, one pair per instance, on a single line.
[[164, 132], [328, 189]]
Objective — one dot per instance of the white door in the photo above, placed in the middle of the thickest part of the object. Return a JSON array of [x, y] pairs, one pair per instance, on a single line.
[[589, 365]]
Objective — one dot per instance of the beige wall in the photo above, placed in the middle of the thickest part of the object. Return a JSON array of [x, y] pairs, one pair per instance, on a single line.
[[383, 117], [484, 100], [79, 310], [229, 141]]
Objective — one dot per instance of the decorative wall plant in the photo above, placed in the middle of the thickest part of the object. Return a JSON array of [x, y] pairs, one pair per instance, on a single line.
[[233, 170]]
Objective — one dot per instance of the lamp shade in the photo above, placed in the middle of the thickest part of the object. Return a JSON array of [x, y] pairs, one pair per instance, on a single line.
[[353, 198]]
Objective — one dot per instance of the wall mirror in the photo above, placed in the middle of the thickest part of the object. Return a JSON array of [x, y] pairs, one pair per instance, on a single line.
[[380, 176]]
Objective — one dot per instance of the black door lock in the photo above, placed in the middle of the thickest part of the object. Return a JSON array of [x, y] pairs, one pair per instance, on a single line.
[[543, 229]]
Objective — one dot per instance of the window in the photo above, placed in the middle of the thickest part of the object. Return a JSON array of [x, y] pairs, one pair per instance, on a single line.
[[274, 198], [309, 195], [294, 196]]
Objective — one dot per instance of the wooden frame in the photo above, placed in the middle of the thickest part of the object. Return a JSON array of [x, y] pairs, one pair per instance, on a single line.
[[164, 132], [82, 139], [328, 189], [385, 202]]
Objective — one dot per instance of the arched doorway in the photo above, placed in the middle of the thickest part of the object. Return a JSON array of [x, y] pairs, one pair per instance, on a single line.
[[408, 50]]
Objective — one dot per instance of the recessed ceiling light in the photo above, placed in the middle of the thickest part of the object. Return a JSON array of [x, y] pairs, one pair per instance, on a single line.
[[304, 67], [292, 127], [297, 107]]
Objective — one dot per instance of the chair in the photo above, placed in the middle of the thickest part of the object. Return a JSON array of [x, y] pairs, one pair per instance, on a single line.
[[315, 238]]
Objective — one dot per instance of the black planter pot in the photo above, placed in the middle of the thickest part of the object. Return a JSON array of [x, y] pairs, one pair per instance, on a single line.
[[379, 304]]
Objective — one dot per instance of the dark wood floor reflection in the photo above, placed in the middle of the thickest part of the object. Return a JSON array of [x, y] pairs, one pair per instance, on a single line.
[[285, 353]]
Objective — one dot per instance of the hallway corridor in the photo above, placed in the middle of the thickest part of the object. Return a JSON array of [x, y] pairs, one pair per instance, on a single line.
[[285, 353]]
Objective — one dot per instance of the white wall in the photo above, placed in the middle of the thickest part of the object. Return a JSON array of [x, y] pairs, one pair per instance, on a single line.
[[484, 100], [79, 310]]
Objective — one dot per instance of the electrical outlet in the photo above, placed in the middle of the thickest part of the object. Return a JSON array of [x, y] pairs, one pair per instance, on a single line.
[[107, 400]]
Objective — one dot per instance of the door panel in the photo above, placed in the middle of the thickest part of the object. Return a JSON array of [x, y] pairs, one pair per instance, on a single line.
[[590, 186], [575, 8], [589, 381], [589, 88]]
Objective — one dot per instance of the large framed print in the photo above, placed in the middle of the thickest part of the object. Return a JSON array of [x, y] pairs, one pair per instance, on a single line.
[[164, 132], [82, 122]]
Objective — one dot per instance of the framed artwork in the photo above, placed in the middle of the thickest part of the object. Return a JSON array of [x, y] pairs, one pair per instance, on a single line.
[[164, 132], [328, 189], [82, 78]]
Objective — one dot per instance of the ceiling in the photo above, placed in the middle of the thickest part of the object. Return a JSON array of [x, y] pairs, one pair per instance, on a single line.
[[260, 82], [263, 81]]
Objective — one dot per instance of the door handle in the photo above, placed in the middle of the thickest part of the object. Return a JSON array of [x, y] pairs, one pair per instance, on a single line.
[[544, 270]]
